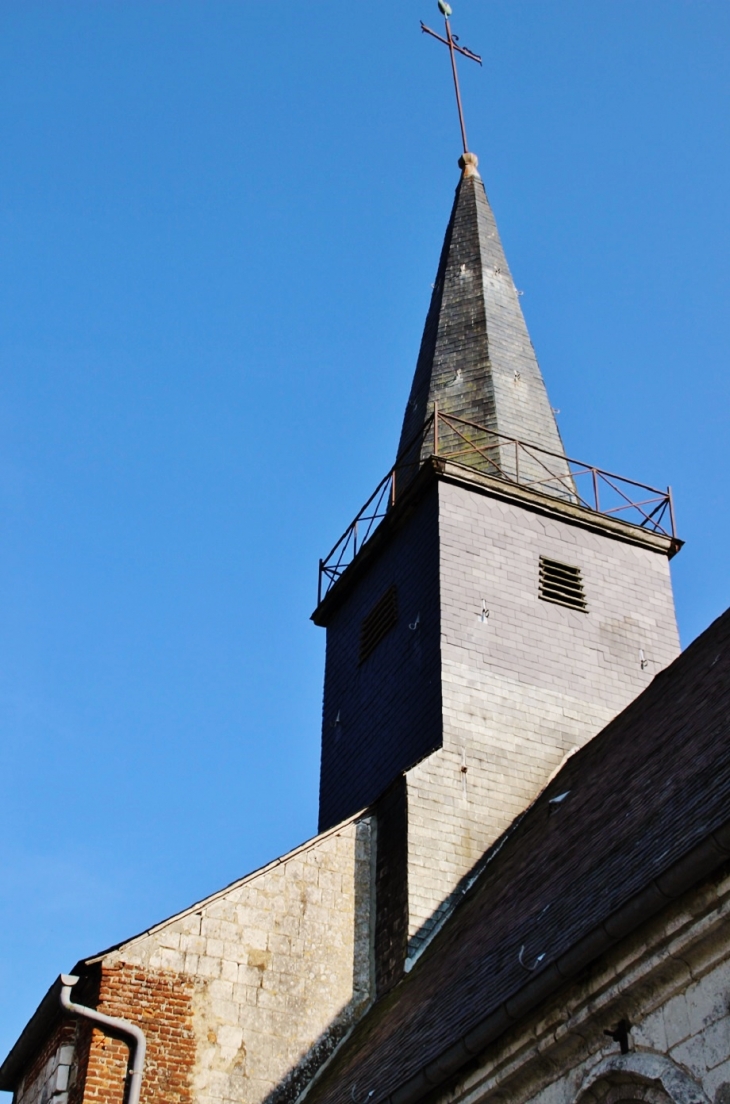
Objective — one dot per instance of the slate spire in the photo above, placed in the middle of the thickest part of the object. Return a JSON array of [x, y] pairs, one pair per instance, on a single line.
[[476, 358]]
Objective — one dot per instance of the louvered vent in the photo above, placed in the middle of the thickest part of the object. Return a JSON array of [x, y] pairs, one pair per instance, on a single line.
[[378, 623], [562, 583]]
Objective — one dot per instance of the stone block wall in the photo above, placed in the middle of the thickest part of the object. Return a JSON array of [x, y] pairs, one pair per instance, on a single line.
[[693, 1029], [245, 994]]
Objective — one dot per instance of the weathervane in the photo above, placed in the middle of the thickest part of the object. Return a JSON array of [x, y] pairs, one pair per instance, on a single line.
[[452, 41]]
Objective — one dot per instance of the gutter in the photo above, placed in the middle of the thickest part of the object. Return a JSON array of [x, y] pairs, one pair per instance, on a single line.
[[696, 865], [132, 1035]]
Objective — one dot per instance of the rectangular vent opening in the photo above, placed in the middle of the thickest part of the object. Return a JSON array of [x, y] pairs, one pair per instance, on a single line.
[[378, 623], [562, 583]]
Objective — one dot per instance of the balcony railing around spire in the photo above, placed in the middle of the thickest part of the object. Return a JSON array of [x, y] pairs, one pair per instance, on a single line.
[[505, 458]]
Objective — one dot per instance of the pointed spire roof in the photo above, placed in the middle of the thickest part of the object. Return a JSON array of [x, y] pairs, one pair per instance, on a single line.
[[476, 359]]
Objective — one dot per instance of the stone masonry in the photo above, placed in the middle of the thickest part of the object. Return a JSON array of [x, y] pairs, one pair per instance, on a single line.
[[237, 991]]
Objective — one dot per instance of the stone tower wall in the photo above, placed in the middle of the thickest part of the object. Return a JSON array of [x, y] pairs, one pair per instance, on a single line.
[[382, 715], [527, 685]]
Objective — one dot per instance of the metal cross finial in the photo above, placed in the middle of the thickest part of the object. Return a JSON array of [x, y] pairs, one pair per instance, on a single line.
[[452, 42]]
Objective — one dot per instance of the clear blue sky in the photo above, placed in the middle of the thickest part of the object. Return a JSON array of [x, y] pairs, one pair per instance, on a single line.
[[220, 223]]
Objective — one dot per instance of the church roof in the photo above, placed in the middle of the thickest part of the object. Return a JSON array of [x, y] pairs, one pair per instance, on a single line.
[[634, 819], [476, 358]]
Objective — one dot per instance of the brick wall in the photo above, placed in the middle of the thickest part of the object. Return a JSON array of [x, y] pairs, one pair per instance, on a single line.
[[389, 707], [242, 996], [161, 1003]]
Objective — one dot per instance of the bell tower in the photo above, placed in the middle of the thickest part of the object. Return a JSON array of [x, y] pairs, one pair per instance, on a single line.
[[495, 603]]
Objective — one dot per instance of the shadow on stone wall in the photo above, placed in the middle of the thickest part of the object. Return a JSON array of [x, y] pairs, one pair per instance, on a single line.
[[300, 1075]]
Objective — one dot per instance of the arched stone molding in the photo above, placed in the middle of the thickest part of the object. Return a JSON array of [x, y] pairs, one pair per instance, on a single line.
[[640, 1077]]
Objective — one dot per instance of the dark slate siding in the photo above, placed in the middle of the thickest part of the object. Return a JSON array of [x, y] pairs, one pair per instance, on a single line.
[[453, 363], [390, 705], [391, 886]]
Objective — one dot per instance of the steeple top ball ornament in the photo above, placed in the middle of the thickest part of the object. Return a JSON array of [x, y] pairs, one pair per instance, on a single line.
[[469, 163], [452, 41]]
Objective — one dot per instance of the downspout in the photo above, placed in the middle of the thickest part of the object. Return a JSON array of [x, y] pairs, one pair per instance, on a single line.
[[133, 1035]]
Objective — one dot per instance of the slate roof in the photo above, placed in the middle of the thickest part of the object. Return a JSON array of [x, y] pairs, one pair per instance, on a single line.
[[476, 358], [645, 792]]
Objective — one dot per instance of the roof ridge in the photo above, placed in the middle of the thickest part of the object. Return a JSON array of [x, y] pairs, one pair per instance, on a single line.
[[258, 872]]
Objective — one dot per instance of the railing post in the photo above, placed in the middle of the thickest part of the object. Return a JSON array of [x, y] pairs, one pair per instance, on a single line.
[[354, 539], [671, 511], [435, 429], [595, 489], [392, 487], [319, 582]]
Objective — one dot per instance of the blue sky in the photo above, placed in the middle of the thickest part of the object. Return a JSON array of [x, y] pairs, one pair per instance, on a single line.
[[219, 226]]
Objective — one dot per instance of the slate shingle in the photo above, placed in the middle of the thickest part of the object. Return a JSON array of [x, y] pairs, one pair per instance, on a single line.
[[476, 359]]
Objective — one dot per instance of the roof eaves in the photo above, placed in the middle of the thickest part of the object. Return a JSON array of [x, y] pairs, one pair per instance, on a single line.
[[693, 867], [31, 1038]]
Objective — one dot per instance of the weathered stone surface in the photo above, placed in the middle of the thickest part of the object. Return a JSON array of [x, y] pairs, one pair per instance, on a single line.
[[244, 995]]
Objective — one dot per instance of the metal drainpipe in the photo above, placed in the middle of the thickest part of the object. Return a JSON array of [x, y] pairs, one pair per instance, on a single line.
[[134, 1036]]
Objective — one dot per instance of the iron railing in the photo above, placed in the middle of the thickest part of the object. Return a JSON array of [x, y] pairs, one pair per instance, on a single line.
[[471, 445]]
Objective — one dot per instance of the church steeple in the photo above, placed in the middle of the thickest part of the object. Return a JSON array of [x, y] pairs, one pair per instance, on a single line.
[[485, 615], [476, 360]]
